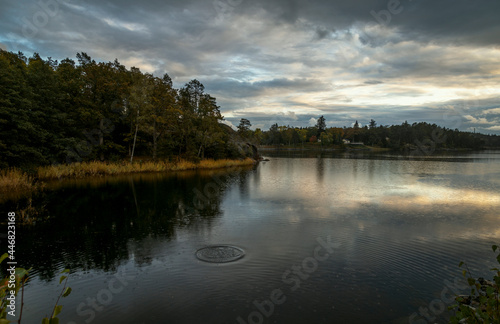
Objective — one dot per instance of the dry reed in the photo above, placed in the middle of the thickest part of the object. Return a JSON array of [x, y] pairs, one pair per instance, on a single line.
[[92, 169], [15, 180]]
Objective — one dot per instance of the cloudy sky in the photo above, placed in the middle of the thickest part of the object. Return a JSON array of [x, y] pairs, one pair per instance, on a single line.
[[291, 61]]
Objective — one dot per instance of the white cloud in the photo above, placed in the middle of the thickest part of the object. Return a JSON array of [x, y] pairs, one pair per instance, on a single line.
[[139, 63], [134, 27], [289, 115], [480, 121], [227, 122], [495, 111], [313, 121]]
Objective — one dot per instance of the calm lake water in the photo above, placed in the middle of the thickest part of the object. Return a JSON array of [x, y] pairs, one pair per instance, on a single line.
[[345, 237]]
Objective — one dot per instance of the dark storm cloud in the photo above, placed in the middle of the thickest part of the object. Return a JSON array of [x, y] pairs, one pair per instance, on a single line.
[[253, 89], [291, 59], [460, 22], [373, 82]]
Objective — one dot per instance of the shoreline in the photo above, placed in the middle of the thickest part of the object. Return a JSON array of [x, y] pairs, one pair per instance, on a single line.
[[319, 148], [365, 148], [14, 180]]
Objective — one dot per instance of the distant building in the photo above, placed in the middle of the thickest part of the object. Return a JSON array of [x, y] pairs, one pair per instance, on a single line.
[[346, 141]]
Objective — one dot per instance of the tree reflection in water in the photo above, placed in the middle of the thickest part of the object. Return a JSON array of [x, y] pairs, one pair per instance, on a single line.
[[98, 223]]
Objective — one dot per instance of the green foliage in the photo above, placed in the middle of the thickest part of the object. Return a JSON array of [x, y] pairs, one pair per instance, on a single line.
[[9, 286], [321, 125], [326, 138], [53, 319], [483, 303], [53, 113], [244, 128], [422, 137]]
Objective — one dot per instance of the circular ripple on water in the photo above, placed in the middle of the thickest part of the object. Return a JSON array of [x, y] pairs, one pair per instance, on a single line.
[[220, 253]]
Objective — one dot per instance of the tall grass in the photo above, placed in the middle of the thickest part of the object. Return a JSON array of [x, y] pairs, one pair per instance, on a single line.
[[92, 169], [15, 180]]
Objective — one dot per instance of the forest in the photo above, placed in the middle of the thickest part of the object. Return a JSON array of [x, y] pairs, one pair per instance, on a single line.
[[62, 112], [416, 136]]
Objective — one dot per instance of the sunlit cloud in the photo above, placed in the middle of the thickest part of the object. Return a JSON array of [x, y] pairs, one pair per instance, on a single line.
[[494, 128], [312, 58], [124, 25], [481, 121], [495, 111]]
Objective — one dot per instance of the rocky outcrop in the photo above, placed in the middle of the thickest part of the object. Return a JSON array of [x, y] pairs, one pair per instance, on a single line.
[[239, 147], [247, 149]]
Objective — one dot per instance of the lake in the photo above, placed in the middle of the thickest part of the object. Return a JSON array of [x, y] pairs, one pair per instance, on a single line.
[[351, 237]]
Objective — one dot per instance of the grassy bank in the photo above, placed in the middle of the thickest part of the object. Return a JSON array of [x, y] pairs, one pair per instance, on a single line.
[[16, 180], [92, 169]]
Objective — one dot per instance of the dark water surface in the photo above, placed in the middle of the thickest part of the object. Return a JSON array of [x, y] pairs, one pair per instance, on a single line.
[[334, 238]]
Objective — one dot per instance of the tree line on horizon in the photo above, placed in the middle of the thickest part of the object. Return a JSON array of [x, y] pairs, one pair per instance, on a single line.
[[397, 137]]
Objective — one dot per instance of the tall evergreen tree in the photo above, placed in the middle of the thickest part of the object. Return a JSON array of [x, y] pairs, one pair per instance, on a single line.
[[320, 125]]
